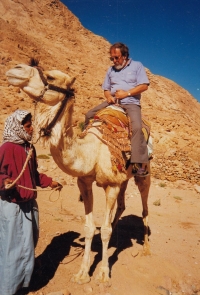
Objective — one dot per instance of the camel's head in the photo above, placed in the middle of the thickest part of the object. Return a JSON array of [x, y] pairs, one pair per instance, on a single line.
[[56, 82], [43, 86]]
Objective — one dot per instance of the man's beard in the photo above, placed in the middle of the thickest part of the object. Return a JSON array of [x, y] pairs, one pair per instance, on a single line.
[[119, 67]]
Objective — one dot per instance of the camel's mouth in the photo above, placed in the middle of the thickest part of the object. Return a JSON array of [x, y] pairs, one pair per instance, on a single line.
[[9, 76], [16, 79]]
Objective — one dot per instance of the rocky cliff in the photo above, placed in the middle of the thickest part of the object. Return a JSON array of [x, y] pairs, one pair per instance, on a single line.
[[49, 31]]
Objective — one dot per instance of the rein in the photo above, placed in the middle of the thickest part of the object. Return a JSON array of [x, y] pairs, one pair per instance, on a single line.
[[47, 131], [10, 185], [68, 93]]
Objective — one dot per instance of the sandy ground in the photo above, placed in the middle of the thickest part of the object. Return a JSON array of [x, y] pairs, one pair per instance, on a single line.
[[174, 236]]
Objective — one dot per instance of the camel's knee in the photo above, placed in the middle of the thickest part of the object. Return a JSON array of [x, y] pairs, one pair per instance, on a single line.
[[89, 231], [106, 233]]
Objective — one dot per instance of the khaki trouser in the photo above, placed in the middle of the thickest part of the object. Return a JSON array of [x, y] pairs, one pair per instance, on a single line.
[[139, 153]]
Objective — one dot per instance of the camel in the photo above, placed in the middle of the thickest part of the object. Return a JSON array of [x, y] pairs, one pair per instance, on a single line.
[[87, 158]]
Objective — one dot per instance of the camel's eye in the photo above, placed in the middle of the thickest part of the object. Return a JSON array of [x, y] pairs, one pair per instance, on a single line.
[[50, 78]]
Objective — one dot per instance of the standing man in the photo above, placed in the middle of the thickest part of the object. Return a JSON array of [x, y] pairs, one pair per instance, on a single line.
[[123, 84], [19, 228]]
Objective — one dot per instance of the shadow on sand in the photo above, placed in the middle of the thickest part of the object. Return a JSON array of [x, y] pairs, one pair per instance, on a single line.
[[128, 228], [47, 263]]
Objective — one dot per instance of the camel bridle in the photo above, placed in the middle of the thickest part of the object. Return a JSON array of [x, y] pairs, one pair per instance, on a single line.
[[68, 94]]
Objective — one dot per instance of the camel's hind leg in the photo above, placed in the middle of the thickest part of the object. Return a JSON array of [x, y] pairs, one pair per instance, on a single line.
[[143, 184], [85, 186], [120, 203], [106, 231]]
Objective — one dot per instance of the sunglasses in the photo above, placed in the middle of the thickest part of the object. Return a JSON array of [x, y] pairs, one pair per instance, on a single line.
[[115, 57]]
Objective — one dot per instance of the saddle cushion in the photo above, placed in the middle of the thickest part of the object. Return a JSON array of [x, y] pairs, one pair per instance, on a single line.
[[119, 118], [114, 116]]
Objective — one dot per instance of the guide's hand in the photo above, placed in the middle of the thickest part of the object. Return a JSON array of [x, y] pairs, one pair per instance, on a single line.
[[55, 184], [7, 182]]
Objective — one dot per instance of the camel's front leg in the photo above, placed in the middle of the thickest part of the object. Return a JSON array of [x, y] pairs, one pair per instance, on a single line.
[[82, 276], [106, 230], [85, 186], [143, 184]]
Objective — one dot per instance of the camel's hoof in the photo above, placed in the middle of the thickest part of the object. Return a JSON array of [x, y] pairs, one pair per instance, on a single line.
[[105, 283], [83, 279], [103, 277]]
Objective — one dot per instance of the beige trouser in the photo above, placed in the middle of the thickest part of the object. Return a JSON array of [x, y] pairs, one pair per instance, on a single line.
[[139, 153]]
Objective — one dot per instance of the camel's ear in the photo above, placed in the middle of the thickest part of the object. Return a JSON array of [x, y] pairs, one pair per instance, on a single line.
[[69, 81], [34, 62], [72, 81]]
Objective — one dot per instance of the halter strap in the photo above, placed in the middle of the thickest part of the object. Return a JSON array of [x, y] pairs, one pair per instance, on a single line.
[[68, 93]]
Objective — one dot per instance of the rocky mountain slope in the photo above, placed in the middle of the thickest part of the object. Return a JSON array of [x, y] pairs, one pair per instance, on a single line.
[[49, 31]]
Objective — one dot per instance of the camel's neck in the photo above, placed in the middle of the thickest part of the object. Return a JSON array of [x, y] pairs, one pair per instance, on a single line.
[[61, 138], [68, 151]]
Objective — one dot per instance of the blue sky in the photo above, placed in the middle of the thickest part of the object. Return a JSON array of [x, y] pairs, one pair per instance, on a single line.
[[163, 34]]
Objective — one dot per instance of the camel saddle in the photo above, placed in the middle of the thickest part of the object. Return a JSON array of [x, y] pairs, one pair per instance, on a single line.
[[114, 124], [117, 116]]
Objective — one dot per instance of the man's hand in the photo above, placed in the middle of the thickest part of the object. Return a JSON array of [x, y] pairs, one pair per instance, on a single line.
[[120, 94], [111, 99]]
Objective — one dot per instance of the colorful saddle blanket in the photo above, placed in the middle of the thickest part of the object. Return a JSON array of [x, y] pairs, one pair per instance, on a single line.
[[117, 116], [114, 125]]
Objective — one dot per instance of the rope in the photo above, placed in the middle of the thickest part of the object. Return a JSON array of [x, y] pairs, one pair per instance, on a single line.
[[58, 188], [8, 186], [79, 250], [40, 190]]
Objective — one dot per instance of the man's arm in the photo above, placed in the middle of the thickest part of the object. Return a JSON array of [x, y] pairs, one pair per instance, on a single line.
[[120, 94]]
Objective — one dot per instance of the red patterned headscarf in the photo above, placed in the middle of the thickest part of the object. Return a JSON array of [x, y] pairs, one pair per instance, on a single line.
[[14, 130]]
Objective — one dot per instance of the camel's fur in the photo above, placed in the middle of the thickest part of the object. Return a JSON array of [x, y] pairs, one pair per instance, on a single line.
[[88, 159]]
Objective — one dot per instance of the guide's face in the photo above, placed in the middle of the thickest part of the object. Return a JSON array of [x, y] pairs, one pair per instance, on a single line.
[[28, 127]]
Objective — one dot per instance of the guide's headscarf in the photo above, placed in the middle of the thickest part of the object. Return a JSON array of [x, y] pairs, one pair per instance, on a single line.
[[14, 130]]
